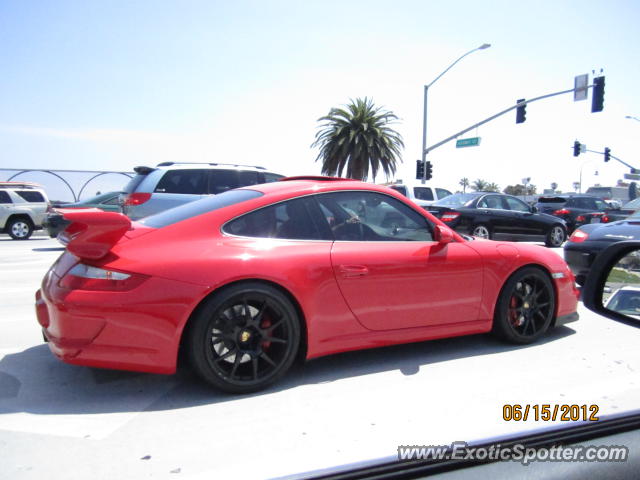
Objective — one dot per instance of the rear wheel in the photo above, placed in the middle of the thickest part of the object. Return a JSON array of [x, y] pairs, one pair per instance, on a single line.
[[525, 307], [244, 338], [555, 236], [482, 231], [20, 228]]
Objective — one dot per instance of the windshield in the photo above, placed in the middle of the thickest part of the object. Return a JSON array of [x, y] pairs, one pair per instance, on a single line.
[[456, 200]]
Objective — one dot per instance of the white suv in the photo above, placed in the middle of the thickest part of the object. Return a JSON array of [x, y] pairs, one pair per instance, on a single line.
[[171, 184], [423, 195], [23, 207]]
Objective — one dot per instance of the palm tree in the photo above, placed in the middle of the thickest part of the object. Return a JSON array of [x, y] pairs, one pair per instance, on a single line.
[[479, 185], [492, 187], [464, 183], [358, 139]]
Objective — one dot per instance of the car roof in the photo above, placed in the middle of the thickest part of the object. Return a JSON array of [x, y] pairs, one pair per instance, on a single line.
[[296, 186], [208, 166]]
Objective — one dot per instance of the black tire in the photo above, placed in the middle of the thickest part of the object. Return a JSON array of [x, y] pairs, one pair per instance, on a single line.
[[556, 236], [20, 228], [244, 338], [482, 231], [525, 307]]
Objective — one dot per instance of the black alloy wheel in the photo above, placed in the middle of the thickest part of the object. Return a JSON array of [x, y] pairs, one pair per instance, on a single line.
[[526, 306], [244, 338]]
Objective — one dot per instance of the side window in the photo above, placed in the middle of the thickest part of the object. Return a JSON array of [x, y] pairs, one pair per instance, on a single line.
[[247, 177], [192, 181], [272, 177], [112, 201], [31, 196], [292, 219], [372, 216], [516, 205], [400, 189], [441, 193], [4, 197], [600, 205], [491, 201], [422, 193]]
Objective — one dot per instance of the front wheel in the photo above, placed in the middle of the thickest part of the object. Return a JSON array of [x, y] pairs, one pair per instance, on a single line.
[[525, 307], [20, 229], [555, 236], [244, 338]]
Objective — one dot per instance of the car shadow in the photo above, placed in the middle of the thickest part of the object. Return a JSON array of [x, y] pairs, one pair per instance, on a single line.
[[34, 381]]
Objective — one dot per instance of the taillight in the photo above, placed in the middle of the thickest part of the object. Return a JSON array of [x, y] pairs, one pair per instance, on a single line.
[[86, 277], [578, 236], [605, 219], [580, 218], [136, 199], [449, 216], [562, 211]]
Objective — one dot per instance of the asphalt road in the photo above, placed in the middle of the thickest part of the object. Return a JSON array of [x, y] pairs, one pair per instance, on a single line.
[[63, 421]]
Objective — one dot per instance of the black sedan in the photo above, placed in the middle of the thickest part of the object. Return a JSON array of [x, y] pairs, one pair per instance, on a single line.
[[588, 240], [491, 215]]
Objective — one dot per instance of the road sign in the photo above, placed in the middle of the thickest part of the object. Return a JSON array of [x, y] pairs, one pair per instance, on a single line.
[[468, 142], [580, 84], [632, 176]]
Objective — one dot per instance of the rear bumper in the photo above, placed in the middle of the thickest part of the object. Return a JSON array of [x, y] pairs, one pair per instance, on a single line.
[[138, 330]]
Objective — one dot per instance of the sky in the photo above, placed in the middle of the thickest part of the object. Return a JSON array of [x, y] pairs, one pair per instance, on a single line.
[[95, 85]]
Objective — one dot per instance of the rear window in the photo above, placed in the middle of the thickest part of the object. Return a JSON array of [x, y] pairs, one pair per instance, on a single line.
[[31, 196], [552, 200], [133, 184], [193, 209], [400, 189], [4, 197], [456, 200]]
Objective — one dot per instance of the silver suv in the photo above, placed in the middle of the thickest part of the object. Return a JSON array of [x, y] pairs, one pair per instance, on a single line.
[[170, 184], [23, 207]]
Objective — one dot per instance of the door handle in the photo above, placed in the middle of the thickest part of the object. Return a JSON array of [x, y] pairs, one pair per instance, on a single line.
[[353, 270]]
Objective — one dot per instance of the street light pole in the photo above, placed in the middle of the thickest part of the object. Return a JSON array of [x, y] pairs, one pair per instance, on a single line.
[[632, 118], [426, 92]]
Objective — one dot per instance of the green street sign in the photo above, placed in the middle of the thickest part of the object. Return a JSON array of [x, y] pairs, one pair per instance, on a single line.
[[468, 142]]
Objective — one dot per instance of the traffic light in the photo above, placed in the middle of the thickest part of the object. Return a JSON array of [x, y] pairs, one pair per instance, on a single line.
[[521, 111], [419, 169], [576, 148], [607, 154], [429, 168], [597, 101]]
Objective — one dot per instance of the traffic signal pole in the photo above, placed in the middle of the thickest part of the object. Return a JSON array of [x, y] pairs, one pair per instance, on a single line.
[[426, 150]]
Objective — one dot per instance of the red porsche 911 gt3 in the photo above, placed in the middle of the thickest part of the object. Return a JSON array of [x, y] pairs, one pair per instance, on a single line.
[[251, 279]]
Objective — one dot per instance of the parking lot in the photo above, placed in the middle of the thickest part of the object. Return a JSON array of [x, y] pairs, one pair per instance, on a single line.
[[63, 421]]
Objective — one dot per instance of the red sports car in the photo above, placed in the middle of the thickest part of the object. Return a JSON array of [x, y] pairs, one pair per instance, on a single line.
[[248, 281]]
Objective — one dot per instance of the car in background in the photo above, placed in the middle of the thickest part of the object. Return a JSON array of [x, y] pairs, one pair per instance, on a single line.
[[618, 194], [54, 222], [23, 207], [575, 210], [491, 215], [588, 241], [423, 195], [250, 280], [623, 212], [625, 300], [155, 189]]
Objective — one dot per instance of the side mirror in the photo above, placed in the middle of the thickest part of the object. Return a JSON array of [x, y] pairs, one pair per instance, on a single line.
[[534, 209], [443, 234], [612, 288]]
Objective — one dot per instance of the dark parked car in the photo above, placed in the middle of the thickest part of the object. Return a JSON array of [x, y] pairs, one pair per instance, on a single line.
[[54, 223], [489, 215], [575, 210], [588, 240]]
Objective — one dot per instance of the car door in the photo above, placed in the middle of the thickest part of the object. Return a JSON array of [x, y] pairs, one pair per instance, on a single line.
[[391, 272], [525, 222], [5, 207], [493, 211]]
